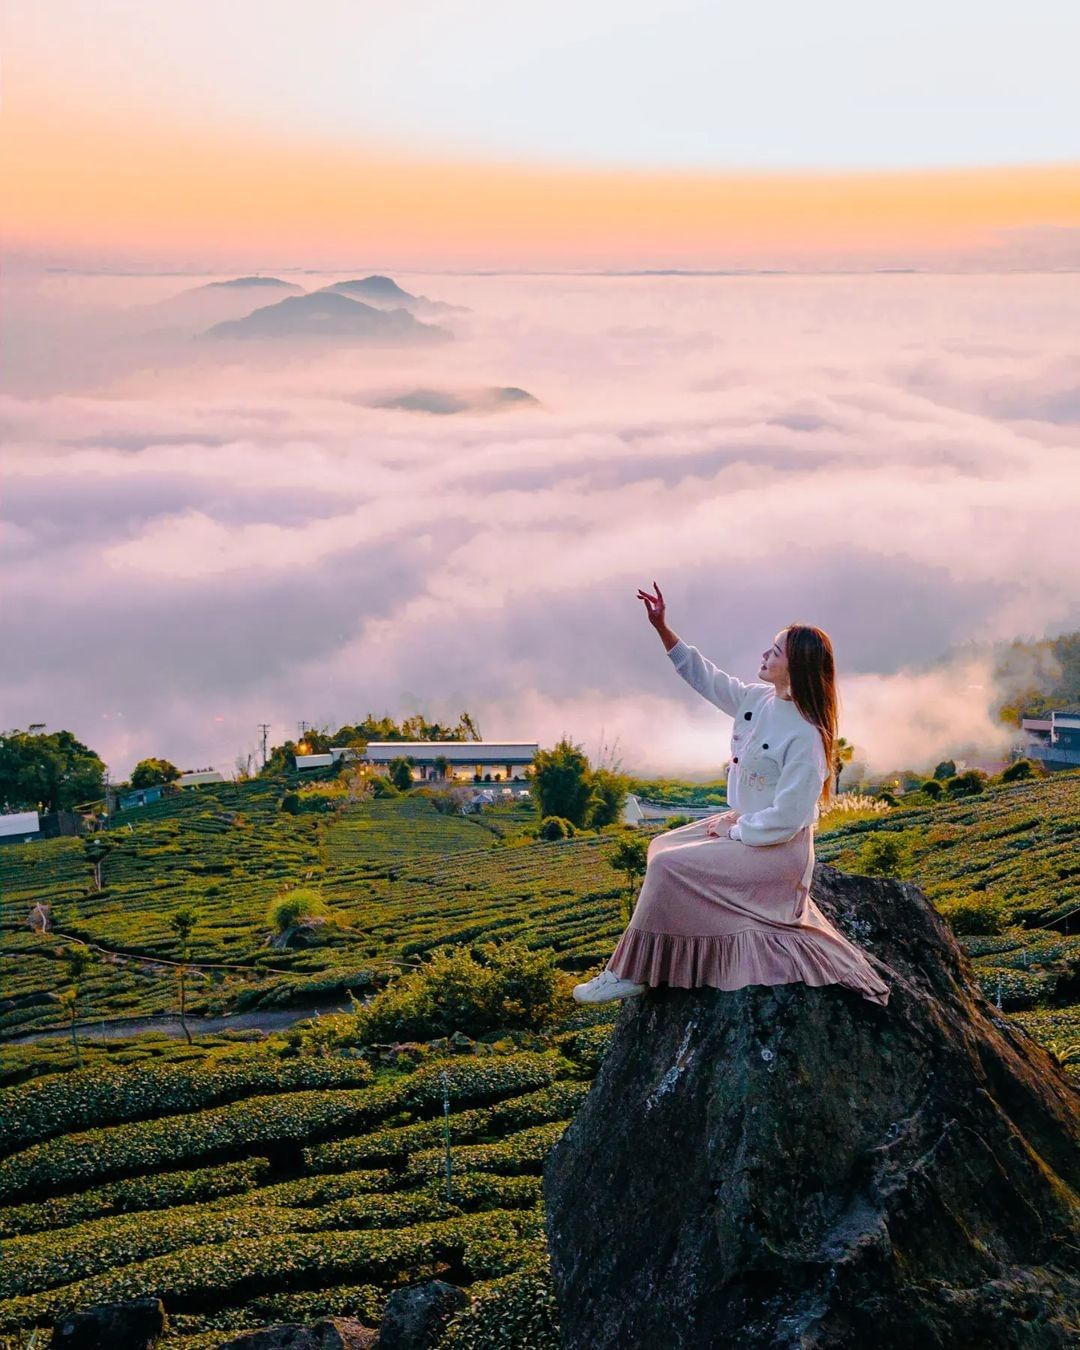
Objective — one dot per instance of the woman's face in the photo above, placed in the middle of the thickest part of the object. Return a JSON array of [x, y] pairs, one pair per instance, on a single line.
[[774, 666]]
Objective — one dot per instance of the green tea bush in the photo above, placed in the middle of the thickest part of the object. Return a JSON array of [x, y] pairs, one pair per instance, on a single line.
[[979, 912], [158, 1190], [61, 1103], [556, 827], [508, 986], [884, 854], [516, 1310]]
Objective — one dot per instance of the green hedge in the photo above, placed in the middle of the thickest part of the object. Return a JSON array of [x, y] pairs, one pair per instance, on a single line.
[[159, 1190], [238, 1270], [61, 1103], [244, 1126]]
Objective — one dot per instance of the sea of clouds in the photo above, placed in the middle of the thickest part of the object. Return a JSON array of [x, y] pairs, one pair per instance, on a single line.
[[198, 537]]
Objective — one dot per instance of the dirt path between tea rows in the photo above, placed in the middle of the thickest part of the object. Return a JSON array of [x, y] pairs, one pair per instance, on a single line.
[[116, 1028]]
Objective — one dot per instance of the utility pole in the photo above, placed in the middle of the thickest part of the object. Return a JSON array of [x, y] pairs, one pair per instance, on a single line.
[[264, 727], [301, 727]]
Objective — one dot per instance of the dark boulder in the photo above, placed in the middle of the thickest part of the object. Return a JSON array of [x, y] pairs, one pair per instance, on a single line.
[[329, 1333], [415, 1316], [798, 1167], [136, 1325]]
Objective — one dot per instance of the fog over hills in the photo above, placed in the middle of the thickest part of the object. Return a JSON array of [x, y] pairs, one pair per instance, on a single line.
[[251, 540], [445, 401], [216, 302], [385, 293], [325, 314]]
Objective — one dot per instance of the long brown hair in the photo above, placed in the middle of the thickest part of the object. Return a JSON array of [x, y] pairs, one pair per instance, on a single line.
[[812, 671]]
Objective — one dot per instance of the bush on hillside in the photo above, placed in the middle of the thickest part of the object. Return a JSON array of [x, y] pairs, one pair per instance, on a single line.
[[975, 913], [1022, 768], [966, 784], [286, 910], [932, 788], [503, 985], [556, 827], [290, 803], [884, 854]]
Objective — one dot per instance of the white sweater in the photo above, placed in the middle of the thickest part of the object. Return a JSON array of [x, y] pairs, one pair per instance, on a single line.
[[777, 768]]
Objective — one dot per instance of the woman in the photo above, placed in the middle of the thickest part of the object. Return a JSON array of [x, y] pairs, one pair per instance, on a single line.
[[726, 900]]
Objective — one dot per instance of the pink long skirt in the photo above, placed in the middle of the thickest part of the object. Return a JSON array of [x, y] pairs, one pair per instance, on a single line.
[[715, 911]]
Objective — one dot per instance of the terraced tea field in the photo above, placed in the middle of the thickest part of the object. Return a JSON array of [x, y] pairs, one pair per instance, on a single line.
[[244, 1183]]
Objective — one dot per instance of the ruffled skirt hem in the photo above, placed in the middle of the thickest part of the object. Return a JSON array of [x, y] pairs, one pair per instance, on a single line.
[[750, 956]]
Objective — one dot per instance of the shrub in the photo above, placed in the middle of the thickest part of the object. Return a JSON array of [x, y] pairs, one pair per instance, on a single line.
[[976, 913], [556, 827], [290, 803], [304, 902], [1021, 768], [966, 784], [675, 822], [516, 1309], [932, 788], [884, 854], [508, 986]]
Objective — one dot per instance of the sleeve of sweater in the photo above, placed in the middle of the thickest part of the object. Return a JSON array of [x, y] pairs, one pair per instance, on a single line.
[[720, 688], [802, 776]]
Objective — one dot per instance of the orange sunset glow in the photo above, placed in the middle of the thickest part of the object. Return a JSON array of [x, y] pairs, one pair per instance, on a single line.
[[93, 180]]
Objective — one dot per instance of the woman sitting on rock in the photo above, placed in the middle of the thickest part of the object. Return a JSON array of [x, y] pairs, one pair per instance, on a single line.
[[726, 900]]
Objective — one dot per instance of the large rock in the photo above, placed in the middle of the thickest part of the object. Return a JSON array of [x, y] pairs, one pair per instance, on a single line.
[[795, 1166], [136, 1325], [415, 1315]]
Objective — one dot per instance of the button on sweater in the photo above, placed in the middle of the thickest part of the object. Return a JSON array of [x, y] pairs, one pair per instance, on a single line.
[[777, 768]]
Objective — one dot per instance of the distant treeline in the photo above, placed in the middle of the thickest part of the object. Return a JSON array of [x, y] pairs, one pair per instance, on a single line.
[[358, 734]]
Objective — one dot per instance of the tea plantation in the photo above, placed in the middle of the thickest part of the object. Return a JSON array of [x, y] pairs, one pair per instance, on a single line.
[[251, 1178]]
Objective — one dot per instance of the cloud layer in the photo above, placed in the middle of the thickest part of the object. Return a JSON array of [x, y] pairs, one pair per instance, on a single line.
[[197, 541]]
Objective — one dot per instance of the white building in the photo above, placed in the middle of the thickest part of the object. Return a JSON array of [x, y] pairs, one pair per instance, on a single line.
[[314, 761], [19, 825], [198, 779], [465, 758], [632, 814]]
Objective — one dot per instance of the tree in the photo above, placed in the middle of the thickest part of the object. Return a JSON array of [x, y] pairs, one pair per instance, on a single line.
[[52, 772], [182, 923], [1020, 768], [563, 782], [631, 856], [842, 753], [609, 791], [441, 765], [95, 850], [76, 957], [944, 770], [401, 773], [153, 773]]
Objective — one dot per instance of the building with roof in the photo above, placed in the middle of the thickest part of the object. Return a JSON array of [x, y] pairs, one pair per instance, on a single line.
[[465, 759], [1053, 740], [19, 827], [200, 778]]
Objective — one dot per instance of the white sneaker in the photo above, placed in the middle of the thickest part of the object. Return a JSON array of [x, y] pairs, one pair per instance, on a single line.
[[607, 985]]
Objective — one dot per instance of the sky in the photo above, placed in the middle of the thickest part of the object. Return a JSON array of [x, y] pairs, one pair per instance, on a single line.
[[856, 406], [643, 133]]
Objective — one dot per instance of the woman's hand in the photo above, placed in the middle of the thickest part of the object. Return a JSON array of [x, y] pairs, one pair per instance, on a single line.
[[655, 607]]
